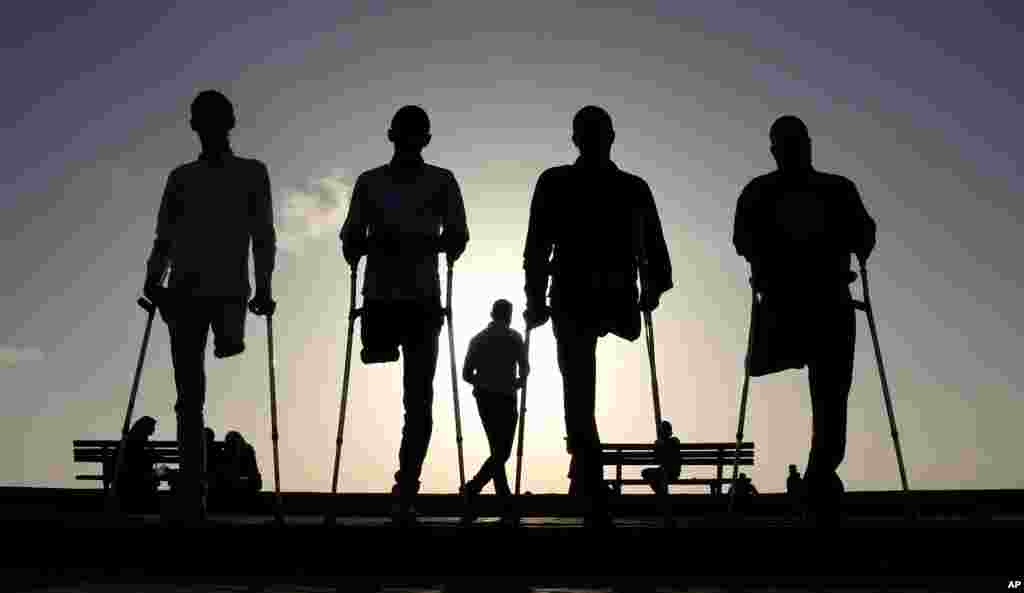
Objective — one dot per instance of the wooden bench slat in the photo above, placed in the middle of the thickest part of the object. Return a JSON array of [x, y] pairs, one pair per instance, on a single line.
[[682, 446]]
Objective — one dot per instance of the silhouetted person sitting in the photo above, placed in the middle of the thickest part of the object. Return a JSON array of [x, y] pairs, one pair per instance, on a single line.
[[212, 209], [494, 356], [591, 227], [237, 475], [666, 452], [745, 492], [797, 227], [138, 481], [401, 216]]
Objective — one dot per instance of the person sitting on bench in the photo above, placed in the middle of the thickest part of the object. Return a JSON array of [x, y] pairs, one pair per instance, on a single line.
[[237, 477], [137, 482], [666, 452]]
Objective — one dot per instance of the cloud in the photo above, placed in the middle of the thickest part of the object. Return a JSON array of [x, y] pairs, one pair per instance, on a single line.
[[13, 356], [312, 213]]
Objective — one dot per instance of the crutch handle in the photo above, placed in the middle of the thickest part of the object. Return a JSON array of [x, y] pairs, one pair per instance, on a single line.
[[263, 308], [147, 305]]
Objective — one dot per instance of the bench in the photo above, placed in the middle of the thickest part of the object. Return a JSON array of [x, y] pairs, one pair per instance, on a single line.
[[717, 455], [102, 452]]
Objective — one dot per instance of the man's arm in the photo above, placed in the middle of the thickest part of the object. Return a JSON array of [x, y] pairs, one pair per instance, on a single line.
[[862, 229], [537, 252], [264, 237], [655, 250], [160, 256], [455, 235], [469, 365], [743, 233], [353, 231], [523, 362], [742, 230]]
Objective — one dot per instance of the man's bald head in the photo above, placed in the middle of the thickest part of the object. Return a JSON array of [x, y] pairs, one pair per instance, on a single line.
[[791, 143]]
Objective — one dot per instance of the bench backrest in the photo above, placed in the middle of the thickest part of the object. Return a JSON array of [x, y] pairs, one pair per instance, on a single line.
[[98, 451], [689, 453]]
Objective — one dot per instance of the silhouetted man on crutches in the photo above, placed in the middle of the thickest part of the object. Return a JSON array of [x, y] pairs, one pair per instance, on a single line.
[[797, 227], [590, 225], [401, 216], [492, 361], [212, 209]]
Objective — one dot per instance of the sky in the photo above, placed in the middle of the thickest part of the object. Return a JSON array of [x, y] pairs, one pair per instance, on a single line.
[[919, 104]]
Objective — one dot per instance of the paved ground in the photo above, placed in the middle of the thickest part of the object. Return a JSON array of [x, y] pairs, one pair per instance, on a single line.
[[58, 542]]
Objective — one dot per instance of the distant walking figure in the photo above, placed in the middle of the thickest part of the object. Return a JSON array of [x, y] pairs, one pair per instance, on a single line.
[[797, 227], [666, 451], [590, 225], [401, 216], [212, 209], [492, 361]]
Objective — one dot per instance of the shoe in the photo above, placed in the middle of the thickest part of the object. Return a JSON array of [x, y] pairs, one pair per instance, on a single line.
[[470, 512], [402, 511]]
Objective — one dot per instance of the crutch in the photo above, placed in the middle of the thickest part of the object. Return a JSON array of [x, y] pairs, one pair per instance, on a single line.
[[865, 306], [352, 314], [649, 331], [743, 396], [278, 515], [455, 382], [649, 334], [113, 502], [522, 417]]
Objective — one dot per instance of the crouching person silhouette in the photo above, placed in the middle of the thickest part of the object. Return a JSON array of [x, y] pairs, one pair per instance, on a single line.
[[494, 356], [211, 210], [401, 216], [666, 453]]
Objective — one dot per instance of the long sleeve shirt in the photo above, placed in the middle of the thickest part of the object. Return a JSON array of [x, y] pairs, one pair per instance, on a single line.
[[209, 215], [591, 226], [798, 230], [492, 360], [401, 215]]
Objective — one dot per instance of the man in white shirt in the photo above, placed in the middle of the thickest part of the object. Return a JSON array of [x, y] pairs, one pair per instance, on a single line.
[[401, 216], [212, 209]]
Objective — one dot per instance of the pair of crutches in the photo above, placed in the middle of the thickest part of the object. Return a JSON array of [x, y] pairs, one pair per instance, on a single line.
[[863, 305], [352, 315], [113, 501]]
